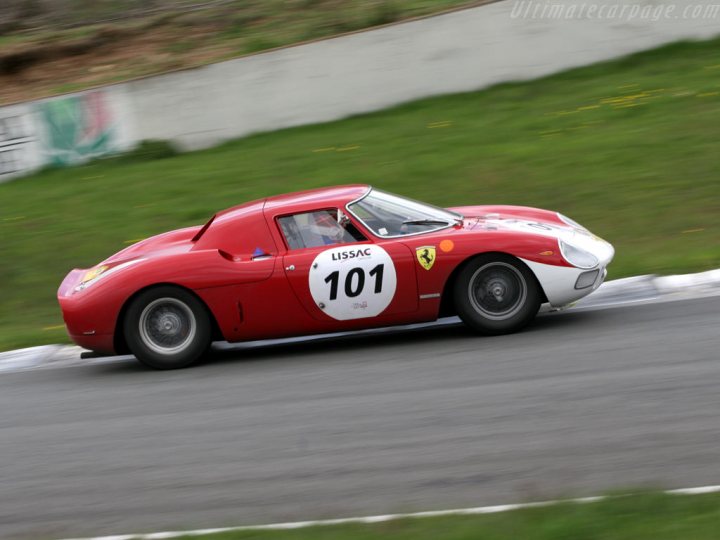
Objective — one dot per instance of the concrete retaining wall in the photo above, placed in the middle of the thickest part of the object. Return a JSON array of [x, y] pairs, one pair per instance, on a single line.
[[65, 131], [326, 80]]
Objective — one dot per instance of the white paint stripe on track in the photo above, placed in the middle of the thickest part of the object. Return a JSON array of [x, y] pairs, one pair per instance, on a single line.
[[701, 490]]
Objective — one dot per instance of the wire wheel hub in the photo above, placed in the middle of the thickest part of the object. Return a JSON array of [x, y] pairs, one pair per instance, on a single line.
[[497, 290], [167, 326]]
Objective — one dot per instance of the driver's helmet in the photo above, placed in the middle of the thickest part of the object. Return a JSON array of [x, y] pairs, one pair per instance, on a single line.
[[325, 225]]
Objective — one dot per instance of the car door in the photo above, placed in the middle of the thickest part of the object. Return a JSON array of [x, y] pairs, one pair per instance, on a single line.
[[351, 278]]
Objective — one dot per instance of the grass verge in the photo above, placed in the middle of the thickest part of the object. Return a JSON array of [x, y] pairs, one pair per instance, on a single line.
[[635, 517], [629, 148]]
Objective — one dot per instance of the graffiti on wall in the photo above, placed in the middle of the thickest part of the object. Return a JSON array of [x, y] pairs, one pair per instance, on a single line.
[[15, 139], [62, 131], [76, 128]]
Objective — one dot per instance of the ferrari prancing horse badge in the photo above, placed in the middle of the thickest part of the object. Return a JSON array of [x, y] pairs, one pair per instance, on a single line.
[[426, 256]]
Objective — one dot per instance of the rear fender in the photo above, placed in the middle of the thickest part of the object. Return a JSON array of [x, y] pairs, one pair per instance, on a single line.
[[119, 341]]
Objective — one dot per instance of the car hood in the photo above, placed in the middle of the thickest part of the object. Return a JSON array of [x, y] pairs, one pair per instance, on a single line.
[[535, 221], [506, 212]]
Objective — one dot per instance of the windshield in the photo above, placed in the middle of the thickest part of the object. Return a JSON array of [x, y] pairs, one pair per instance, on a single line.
[[389, 215]]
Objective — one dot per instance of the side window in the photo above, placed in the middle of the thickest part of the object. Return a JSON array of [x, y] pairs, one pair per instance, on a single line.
[[318, 228]]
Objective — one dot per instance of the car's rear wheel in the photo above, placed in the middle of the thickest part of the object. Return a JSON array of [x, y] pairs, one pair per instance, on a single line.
[[496, 294], [167, 328]]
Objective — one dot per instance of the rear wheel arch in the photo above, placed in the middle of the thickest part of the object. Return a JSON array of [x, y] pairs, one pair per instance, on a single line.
[[119, 342], [447, 302]]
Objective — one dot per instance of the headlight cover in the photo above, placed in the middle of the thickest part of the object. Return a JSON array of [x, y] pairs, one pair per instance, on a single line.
[[567, 221], [578, 257]]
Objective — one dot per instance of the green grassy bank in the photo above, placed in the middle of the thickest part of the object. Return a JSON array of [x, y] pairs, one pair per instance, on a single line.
[[630, 148]]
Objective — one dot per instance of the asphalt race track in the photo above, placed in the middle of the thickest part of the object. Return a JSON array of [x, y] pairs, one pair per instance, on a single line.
[[581, 402]]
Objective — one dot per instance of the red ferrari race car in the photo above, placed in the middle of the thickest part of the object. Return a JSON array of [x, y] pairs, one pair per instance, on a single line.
[[326, 260]]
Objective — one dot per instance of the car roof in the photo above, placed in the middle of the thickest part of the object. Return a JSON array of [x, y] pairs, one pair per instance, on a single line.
[[289, 203], [300, 201]]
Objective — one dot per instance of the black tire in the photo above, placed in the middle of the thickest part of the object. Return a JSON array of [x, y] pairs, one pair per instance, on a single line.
[[167, 327], [496, 294]]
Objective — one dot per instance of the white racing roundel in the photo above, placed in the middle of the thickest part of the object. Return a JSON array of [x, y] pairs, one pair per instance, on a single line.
[[353, 282]]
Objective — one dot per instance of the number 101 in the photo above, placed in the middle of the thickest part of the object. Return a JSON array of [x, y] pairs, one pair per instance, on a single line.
[[353, 287]]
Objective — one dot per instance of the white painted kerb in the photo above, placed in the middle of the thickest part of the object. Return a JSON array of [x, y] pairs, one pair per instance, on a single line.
[[387, 517]]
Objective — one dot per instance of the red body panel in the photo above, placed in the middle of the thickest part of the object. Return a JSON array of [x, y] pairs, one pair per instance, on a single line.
[[237, 265]]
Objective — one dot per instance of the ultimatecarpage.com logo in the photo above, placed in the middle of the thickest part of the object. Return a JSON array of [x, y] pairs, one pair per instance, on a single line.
[[534, 9]]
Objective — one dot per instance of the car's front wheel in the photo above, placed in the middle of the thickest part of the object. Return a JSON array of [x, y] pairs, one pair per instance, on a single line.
[[496, 294], [167, 328]]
